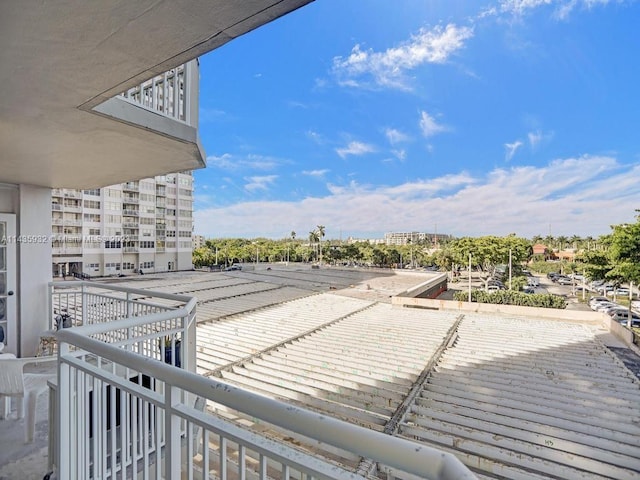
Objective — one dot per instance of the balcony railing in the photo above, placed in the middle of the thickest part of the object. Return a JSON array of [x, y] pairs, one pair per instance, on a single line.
[[167, 93], [122, 412], [66, 250]]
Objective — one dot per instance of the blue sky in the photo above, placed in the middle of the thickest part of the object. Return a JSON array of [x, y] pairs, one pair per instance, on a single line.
[[461, 117]]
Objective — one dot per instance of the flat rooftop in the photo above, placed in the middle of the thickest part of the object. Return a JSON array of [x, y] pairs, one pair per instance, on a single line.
[[511, 396]]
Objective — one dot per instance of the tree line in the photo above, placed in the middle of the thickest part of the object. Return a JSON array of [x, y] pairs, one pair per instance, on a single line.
[[614, 257]]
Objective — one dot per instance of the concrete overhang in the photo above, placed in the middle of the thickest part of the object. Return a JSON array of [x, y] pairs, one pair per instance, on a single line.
[[60, 60]]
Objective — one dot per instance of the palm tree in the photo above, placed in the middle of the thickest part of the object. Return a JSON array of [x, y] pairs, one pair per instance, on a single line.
[[293, 238], [562, 240], [313, 237], [320, 234], [589, 240], [575, 239]]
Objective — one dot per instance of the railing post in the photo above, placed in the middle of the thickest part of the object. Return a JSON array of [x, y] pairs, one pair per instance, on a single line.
[[129, 309], [172, 433], [50, 314], [189, 335], [83, 298], [191, 92], [63, 413]]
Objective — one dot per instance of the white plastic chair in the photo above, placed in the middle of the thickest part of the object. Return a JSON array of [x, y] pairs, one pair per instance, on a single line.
[[25, 387]]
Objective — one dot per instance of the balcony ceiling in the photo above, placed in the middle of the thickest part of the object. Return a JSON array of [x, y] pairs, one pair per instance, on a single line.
[[60, 59]]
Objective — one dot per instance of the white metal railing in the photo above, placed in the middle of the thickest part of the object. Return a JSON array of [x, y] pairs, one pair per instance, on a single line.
[[88, 303], [168, 93], [121, 412]]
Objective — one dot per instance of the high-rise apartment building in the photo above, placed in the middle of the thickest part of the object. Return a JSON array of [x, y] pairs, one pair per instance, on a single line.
[[125, 228], [403, 238]]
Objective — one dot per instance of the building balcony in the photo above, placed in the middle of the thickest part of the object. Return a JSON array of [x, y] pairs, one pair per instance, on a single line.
[[72, 194], [130, 224], [131, 200], [72, 208], [131, 187], [130, 249], [72, 222], [131, 213], [66, 250]]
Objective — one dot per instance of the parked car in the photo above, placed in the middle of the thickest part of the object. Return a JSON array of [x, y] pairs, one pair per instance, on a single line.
[[528, 290], [622, 291], [604, 306], [622, 311], [623, 317], [596, 305], [233, 267], [564, 280], [533, 282], [605, 288], [597, 299], [493, 288]]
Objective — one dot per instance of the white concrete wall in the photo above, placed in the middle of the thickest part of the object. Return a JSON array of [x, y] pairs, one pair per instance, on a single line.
[[34, 266], [32, 207], [595, 318], [185, 260]]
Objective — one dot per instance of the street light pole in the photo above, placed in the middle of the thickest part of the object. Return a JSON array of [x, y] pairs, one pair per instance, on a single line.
[[509, 269], [469, 277]]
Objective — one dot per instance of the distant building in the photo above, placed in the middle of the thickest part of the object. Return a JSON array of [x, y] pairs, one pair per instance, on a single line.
[[198, 241], [404, 238], [371, 241], [124, 228], [539, 249]]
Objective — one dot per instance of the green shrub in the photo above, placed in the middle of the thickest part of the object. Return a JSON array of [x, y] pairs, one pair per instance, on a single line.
[[511, 297]]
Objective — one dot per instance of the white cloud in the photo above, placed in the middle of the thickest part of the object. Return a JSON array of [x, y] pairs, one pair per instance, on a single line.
[[259, 182], [511, 149], [574, 195], [388, 68], [537, 138], [534, 138], [315, 173], [206, 115], [396, 136], [521, 7], [315, 136], [230, 162], [355, 148], [400, 154], [561, 8], [429, 126]]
